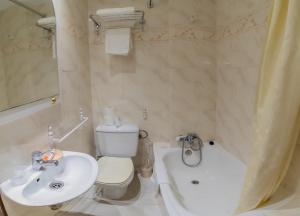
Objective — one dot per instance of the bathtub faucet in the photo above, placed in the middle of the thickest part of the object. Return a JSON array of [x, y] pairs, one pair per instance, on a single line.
[[190, 143], [190, 137]]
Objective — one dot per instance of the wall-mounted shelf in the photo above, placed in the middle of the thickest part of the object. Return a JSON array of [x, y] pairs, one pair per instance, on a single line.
[[134, 20]]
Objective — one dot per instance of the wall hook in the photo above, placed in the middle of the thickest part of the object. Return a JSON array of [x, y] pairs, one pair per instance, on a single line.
[[150, 4]]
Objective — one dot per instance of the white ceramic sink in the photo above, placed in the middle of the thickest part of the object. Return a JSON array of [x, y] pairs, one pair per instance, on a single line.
[[79, 172]]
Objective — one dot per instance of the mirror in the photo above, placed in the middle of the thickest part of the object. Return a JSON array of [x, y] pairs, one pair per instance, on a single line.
[[28, 64]]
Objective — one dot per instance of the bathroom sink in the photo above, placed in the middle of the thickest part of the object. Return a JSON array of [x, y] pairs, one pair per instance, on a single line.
[[74, 176]]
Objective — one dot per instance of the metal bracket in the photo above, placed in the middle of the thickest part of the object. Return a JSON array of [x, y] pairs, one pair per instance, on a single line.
[[150, 4], [97, 25]]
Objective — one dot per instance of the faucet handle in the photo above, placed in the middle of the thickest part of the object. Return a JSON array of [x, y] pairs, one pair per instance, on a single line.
[[188, 137], [180, 138], [192, 136], [36, 158], [36, 155]]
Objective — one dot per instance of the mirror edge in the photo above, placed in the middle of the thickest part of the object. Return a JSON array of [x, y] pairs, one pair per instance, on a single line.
[[25, 110]]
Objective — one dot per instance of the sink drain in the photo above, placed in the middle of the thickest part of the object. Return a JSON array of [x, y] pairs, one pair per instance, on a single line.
[[195, 182], [56, 185]]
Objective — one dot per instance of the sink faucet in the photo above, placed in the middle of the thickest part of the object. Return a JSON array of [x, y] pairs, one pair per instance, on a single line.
[[39, 164]]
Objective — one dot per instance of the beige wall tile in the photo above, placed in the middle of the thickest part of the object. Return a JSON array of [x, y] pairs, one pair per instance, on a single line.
[[3, 94], [241, 32]]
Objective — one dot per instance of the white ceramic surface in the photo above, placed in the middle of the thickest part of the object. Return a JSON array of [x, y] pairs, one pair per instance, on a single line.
[[78, 175], [220, 179], [117, 141]]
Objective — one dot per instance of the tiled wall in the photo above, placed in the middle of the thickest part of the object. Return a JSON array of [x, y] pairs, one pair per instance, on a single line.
[[194, 68], [170, 71], [241, 31], [3, 95], [21, 137], [27, 56]]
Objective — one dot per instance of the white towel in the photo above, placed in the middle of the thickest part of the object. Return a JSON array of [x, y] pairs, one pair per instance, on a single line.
[[118, 41], [115, 11]]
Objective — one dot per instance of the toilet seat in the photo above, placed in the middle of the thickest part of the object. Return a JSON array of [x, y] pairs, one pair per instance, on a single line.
[[115, 170]]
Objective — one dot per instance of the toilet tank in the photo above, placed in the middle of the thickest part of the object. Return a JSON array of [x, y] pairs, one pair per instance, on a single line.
[[121, 141]]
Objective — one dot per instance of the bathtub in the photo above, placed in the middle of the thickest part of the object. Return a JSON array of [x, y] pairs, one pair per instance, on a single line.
[[219, 177]]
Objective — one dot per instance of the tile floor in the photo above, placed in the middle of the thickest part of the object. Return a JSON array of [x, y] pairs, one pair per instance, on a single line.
[[149, 203]]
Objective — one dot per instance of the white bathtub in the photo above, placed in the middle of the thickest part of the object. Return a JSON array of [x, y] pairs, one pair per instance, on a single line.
[[220, 177]]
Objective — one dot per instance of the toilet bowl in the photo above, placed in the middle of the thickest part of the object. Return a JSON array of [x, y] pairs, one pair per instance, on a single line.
[[115, 147], [115, 175]]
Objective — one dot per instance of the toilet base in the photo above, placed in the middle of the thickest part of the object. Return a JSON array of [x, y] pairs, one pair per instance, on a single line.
[[111, 191]]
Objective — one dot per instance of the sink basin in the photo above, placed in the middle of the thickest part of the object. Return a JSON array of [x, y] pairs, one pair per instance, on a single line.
[[73, 177]]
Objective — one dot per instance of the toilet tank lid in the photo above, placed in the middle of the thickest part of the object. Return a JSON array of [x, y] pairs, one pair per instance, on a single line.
[[124, 128]]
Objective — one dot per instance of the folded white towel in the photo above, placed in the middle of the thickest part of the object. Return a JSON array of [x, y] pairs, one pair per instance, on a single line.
[[118, 41], [115, 11]]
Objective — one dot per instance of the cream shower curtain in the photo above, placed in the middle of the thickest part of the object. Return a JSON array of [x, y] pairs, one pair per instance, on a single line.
[[278, 106]]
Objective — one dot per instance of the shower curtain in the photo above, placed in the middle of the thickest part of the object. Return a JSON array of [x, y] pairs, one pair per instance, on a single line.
[[277, 108]]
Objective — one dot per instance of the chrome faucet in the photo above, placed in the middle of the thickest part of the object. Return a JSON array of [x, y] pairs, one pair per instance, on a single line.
[[190, 143], [190, 137], [39, 164]]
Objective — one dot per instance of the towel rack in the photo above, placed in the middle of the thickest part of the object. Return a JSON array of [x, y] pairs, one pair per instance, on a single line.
[[134, 20], [83, 120]]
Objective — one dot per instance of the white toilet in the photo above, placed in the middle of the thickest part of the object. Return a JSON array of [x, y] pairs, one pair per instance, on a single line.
[[115, 145]]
